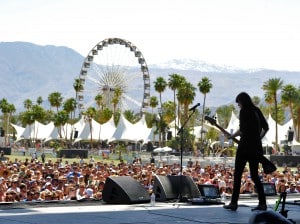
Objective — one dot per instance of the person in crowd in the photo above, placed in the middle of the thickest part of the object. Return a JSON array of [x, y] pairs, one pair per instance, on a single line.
[[292, 189], [37, 175]]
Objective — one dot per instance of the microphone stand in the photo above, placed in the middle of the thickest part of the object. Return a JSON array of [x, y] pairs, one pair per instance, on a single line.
[[180, 132]]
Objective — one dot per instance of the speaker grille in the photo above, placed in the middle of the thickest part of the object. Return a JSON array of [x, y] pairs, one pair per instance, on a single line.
[[124, 190], [175, 187]]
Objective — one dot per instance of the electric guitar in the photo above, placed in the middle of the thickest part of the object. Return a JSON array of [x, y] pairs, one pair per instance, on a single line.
[[213, 122], [268, 166]]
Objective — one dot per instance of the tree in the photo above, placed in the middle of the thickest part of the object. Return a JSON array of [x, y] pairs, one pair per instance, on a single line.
[[55, 99], [272, 86], [70, 106], [59, 120], [39, 100], [186, 95], [78, 86], [160, 85], [129, 115], [88, 116], [289, 98], [224, 114], [7, 110], [204, 86], [27, 104], [116, 98], [153, 102], [174, 83], [99, 101]]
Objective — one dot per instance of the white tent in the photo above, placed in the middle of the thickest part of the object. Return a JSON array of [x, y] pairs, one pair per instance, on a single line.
[[126, 131], [99, 132], [151, 136], [19, 131], [53, 132], [233, 124], [143, 129], [36, 130], [197, 131], [108, 129]]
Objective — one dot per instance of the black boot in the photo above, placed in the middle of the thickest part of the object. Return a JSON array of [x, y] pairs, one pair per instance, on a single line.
[[231, 206], [260, 208]]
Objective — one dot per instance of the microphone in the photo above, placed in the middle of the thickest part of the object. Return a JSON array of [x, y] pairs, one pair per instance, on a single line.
[[194, 107]]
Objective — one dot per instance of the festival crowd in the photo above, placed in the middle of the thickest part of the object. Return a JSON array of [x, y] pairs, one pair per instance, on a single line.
[[35, 180]]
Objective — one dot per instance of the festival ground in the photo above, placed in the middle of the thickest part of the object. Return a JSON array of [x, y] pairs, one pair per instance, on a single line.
[[163, 212]]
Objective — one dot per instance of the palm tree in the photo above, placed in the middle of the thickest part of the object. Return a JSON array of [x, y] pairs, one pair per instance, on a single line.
[[116, 98], [289, 98], [272, 86], [39, 100], [186, 95], [204, 86], [89, 115], [224, 114], [160, 86], [78, 86], [256, 100], [59, 120], [69, 106], [55, 100], [99, 101], [27, 104], [7, 110], [153, 102], [174, 83]]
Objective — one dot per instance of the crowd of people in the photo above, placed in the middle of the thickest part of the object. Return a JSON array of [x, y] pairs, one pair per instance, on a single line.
[[35, 180]]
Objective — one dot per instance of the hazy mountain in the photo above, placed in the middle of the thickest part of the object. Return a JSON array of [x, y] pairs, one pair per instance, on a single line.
[[28, 71]]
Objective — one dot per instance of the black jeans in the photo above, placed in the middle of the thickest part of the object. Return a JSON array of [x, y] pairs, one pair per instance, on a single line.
[[240, 162]]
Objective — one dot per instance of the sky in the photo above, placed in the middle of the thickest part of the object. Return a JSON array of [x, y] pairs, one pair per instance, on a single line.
[[240, 33]]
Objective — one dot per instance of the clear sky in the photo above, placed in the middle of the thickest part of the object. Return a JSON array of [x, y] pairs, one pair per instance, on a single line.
[[242, 33]]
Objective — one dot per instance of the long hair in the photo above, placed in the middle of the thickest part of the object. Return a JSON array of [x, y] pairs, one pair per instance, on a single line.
[[245, 100]]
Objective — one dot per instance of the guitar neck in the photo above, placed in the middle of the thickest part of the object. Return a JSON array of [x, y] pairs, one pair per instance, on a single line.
[[226, 132]]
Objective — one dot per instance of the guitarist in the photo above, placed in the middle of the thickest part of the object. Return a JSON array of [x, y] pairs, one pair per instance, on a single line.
[[253, 127]]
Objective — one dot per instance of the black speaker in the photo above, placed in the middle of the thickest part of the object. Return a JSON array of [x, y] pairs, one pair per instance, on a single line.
[[2, 132], [268, 217], [76, 134], [290, 135], [173, 187], [169, 135], [124, 190]]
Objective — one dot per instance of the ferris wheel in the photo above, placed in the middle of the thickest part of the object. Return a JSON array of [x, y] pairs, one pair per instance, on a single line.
[[115, 66]]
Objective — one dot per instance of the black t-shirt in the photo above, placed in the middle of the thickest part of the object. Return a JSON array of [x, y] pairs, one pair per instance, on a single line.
[[252, 122]]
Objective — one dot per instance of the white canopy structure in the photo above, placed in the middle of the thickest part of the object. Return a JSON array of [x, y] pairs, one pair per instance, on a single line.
[[126, 131], [269, 138]]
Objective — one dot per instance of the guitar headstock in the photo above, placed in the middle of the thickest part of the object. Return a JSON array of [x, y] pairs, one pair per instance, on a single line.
[[211, 120]]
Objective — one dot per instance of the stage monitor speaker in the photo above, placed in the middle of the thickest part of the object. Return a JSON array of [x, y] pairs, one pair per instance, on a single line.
[[268, 217], [175, 187], [124, 190]]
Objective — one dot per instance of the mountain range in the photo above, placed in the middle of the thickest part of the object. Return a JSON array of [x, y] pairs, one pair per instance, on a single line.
[[28, 71]]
